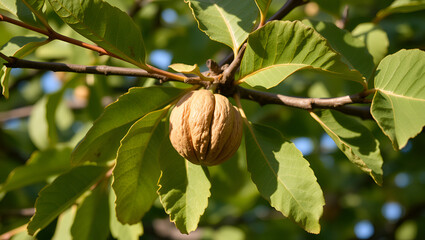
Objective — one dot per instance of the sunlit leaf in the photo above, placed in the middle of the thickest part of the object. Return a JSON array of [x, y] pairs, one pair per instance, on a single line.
[[47, 114], [20, 10], [375, 39], [92, 217], [401, 6], [354, 140], [18, 47], [62, 193], [122, 231], [283, 176], [63, 226], [281, 48], [352, 50], [189, 69], [102, 141], [184, 188], [399, 102], [39, 167], [107, 26], [137, 171], [228, 22]]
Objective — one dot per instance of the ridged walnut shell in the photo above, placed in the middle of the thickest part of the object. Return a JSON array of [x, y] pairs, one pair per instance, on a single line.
[[205, 128]]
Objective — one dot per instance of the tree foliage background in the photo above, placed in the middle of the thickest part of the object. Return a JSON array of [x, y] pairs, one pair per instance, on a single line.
[[356, 207]]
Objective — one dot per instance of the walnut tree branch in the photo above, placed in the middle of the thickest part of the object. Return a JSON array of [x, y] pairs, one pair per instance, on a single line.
[[100, 69], [52, 35], [338, 103]]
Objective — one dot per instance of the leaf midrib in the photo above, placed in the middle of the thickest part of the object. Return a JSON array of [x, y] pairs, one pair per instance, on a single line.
[[271, 169], [229, 28], [391, 93]]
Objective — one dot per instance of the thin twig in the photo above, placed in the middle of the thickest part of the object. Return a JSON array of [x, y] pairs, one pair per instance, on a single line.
[[136, 7], [11, 233], [54, 35], [286, 9], [6, 58], [338, 103], [341, 23], [229, 72], [101, 69]]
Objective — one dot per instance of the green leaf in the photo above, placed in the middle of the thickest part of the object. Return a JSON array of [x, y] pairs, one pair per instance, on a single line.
[[39, 167], [18, 47], [36, 7], [189, 69], [46, 115], [137, 170], [283, 177], [224, 21], [263, 6], [92, 218], [375, 39], [354, 140], [122, 231], [62, 193], [401, 6], [105, 25], [281, 48], [184, 188], [399, 102], [63, 226], [353, 50], [20, 10], [103, 139]]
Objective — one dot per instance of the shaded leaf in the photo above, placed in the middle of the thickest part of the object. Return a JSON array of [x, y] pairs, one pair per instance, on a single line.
[[398, 105], [36, 7], [281, 48], [353, 50], [20, 10], [62, 193], [107, 26], [283, 177], [375, 39], [17, 47], [184, 188], [103, 139], [401, 6], [43, 121], [354, 140], [137, 171], [39, 167], [228, 22], [92, 217], [122, 231]]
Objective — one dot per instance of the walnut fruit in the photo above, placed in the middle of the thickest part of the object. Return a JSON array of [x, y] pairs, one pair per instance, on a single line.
[[205, 128]]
